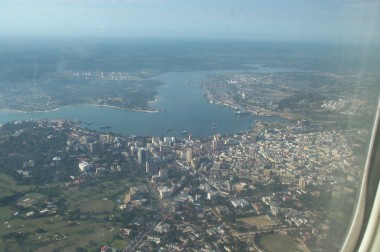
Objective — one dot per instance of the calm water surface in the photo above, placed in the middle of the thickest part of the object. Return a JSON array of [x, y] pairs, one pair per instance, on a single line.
[[184, 108]]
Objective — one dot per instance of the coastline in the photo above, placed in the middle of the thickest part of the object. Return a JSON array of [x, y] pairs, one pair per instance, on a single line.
[[130, 109], [95, 105], [138, 124], [153, 101], [33, 111]]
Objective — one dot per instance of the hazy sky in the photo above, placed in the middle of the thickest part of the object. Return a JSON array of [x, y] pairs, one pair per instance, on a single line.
[[321, 20]]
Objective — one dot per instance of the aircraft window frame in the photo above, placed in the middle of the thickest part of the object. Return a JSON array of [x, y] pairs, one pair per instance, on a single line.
[[362, 233]]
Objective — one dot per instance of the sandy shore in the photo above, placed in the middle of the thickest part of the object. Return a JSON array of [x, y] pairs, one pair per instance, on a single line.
[[130, 109], [34, 111]]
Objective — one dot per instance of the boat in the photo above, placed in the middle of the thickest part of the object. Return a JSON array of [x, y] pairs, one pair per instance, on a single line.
[[239, 112], [105, 127], [168, 130], [85, 122], [184, 132]]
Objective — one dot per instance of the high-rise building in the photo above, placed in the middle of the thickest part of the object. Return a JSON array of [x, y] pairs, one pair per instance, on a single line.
[[189, 155], [217, 136], [134, 150], [147, 168], [302, 183], [216, 144], [142, 155]]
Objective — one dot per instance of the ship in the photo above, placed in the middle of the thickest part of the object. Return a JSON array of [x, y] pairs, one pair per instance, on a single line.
[[105, 127], [239, 112], [83, 122]]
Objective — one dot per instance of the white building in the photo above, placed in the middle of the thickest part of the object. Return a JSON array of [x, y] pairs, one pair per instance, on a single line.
[[84, 166], [164, 191]]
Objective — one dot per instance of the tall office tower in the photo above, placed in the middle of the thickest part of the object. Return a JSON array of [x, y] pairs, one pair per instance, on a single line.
[[142, 155], [147, 168], [189, 155], [216, 144]]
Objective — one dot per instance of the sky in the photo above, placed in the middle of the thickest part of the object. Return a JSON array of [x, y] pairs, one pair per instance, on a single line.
[[283, 20]]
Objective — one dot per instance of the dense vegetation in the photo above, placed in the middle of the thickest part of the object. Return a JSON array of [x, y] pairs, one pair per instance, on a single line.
[[301, 102], [31, 149]]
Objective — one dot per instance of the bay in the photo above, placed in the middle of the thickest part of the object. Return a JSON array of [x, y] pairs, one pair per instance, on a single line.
[[183, 108]]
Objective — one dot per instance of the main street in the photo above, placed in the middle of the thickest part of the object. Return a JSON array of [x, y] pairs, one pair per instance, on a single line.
[[151, 225]]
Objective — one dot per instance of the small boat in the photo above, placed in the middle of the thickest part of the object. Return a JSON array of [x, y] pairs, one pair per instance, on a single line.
[[105, 127], [184, 132], [242, 112]]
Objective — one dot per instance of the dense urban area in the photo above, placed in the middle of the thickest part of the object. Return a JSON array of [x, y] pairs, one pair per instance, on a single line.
[[282, 184]]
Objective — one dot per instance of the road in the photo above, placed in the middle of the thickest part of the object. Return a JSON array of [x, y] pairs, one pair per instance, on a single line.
[[152, 224]]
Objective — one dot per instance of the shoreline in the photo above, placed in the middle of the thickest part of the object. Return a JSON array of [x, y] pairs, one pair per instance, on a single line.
[[156, 99], [130, 109], [95, 105], [34, 111]]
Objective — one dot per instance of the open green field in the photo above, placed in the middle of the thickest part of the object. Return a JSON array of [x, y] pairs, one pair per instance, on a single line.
[[8, 186], [92, 226], [257, 221], [277, 242], [97, 206]]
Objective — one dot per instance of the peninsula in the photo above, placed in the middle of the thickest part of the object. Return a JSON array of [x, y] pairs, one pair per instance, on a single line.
[[55, 90]]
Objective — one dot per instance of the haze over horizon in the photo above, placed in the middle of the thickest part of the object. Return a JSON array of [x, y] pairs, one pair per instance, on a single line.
[[277, 20]]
